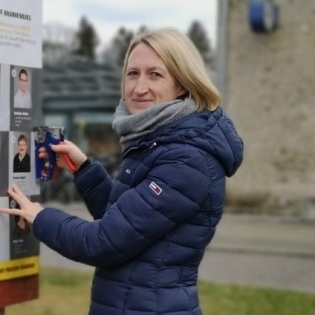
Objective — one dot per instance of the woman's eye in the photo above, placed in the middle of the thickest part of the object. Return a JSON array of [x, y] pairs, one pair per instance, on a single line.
[[132, 73], [155, 74]]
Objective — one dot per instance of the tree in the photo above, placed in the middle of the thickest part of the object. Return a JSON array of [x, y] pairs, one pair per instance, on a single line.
[[116, 52], [87, 39], [123, 41], [58, 43], [198, 35], [142, 29]]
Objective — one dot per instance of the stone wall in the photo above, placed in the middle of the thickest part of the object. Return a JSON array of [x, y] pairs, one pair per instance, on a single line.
[[271, 98]]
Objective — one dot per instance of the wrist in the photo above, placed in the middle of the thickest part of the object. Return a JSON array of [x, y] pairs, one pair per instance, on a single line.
[[84, 165]]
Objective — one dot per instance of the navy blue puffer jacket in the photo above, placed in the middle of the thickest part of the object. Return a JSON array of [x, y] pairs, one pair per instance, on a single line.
[[153, 223]]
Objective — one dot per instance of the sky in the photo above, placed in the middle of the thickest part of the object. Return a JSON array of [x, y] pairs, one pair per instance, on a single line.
[[108, 16]]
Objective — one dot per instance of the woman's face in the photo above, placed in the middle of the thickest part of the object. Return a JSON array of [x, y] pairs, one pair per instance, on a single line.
[[148, 81]]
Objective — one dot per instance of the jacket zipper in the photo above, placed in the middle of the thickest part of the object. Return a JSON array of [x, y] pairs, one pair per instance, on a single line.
[[129, 150], [153, 145]]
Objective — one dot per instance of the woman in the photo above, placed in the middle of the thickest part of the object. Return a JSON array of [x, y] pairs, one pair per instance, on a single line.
[[153, 223]]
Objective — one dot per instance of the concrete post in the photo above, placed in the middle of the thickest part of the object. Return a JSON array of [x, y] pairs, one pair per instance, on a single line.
[[222, 36]]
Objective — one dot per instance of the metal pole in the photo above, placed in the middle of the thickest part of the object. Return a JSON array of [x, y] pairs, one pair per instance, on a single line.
[[222, 38]]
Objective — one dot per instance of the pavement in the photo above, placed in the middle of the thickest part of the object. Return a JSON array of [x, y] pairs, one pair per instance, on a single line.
[[251, 250]]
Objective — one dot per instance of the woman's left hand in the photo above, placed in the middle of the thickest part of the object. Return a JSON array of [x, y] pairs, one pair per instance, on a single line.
[[28, 210]]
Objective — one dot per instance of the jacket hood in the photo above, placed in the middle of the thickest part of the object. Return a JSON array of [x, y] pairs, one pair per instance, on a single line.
[[213, 132]]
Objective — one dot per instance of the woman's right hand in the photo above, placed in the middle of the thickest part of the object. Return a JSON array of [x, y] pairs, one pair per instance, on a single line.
[[68, 148]]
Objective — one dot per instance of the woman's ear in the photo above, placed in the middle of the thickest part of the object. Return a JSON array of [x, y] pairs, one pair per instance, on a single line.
[[182, 92]]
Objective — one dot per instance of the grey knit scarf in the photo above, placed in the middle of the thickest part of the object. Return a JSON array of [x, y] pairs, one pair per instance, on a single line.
[[132, 127]]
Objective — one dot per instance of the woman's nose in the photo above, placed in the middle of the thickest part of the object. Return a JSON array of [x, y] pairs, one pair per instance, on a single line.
[[141, 86]]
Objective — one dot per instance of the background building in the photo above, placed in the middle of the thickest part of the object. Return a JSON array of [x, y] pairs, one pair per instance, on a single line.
[[269, 94]]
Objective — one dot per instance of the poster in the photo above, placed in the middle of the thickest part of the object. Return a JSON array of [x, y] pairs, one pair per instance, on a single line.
[[21, 32], [20, 112], [19, 249], [22, 162], [22, 241], [21, 98]]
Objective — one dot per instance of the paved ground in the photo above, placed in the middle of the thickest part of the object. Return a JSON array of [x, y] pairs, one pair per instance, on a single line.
[[251, 250]]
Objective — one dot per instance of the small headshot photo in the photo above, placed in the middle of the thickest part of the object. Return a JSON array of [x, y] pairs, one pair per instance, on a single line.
[[22, 97], [22, 160]]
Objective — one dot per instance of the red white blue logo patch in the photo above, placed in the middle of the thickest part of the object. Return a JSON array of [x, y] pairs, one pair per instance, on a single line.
[[156, 188]]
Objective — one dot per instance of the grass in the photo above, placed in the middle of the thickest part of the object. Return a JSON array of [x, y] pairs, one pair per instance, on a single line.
[[64, 292], [241, 300]]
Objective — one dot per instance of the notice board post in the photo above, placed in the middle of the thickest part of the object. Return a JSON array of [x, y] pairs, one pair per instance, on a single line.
[[20, 112]]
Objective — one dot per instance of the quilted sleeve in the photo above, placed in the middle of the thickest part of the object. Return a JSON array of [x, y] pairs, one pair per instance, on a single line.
[[94, 186]]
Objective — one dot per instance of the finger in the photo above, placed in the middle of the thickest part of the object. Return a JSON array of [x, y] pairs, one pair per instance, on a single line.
[[17, 194], [67, 142], [42, 149], [17, 212], [43, 155], [60, 148], [17, 190], [21, 223]]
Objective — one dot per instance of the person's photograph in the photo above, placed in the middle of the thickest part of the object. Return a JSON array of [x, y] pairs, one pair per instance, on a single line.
[[153, 223], [22, 160], [22, 97]]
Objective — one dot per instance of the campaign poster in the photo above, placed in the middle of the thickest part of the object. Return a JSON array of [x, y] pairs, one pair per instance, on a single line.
[[21, 32], [22, 162], [22, 241], [20, 58], [19, 254]]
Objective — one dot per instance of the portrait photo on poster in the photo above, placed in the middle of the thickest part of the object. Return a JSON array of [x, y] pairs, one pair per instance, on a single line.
[[22, 242], [22, 162], [22, 159], [21, 99], [4, 163]]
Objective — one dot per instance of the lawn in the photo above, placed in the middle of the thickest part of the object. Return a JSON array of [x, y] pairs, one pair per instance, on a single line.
[[64, 292]]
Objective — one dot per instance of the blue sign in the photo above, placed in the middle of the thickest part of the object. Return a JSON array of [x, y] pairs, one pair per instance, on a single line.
[[263, 15]]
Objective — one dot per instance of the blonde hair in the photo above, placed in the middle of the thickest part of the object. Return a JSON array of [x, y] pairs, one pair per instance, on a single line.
[[184, 63]]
